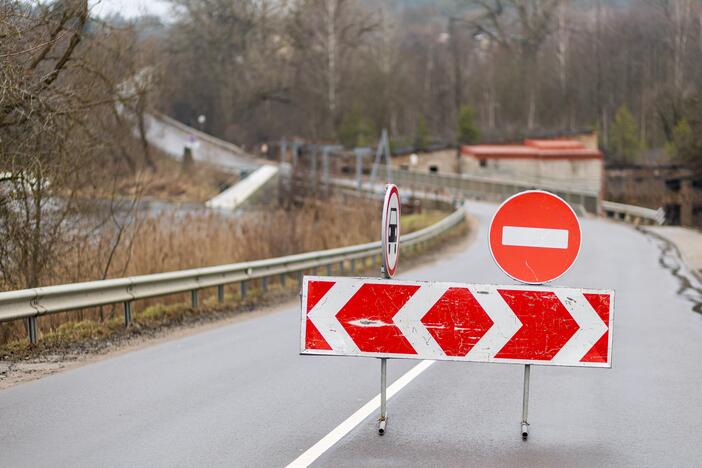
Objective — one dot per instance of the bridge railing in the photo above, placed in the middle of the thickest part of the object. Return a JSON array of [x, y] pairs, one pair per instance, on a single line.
[[498, 190], [487, 188], [30, 304], [633, 214]]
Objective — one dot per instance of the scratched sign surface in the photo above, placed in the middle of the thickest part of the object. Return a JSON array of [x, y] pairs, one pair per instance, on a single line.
[[457, 322]]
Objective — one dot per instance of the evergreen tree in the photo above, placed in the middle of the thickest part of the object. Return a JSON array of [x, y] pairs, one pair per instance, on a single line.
[[421, 136], [681, 144], [355, 130], [468, 133], [624, 142]]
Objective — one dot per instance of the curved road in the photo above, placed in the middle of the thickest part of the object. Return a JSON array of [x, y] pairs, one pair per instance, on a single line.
[[240, 395]]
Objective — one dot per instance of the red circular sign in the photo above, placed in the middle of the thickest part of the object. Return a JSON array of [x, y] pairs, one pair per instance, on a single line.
[[535, 237], [390, 235]]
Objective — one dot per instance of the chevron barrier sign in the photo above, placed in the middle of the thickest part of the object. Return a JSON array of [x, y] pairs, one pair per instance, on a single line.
[[516, 324]]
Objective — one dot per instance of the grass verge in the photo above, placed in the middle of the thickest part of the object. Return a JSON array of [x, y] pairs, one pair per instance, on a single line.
[[76, 338]]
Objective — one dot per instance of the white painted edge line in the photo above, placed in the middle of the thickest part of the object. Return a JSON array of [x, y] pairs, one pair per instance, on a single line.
[[535, 237], [328, 441]]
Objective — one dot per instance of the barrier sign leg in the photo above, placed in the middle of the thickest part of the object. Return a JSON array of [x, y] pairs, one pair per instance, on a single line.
[[383, 419], [525, 403]]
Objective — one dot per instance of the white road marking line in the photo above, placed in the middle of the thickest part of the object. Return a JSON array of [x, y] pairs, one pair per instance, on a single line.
[[328, 441], [535, 237]]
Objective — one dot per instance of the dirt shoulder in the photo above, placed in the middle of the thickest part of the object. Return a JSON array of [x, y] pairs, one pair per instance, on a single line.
[[79, 343], [687, 241]]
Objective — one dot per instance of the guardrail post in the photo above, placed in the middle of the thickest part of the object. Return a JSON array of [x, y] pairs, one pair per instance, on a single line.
[[127, 313], [194, 298], [264, 284], [32, 330], [341, 267], [329, 269], [353, 265], [220, 293], [243, 288], [282, 280], [299, 279]]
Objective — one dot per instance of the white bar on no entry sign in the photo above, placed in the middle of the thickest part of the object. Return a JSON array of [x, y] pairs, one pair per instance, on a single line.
[[535, 237]]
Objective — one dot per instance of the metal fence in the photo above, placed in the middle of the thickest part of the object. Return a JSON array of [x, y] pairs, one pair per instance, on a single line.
[[30, 304]]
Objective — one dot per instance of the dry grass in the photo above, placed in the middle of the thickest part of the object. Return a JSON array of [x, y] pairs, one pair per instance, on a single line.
[[76, 335], [171, 182], [174, 241]]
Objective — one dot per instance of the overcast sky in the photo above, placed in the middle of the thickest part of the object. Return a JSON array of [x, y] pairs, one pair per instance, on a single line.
[[130, 8]]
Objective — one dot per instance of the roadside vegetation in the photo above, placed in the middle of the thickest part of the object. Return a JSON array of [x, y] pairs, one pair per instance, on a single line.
[[102, 329]]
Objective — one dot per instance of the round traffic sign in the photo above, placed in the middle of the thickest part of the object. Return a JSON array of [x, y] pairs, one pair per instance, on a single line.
[[535, 237], [390, 230]]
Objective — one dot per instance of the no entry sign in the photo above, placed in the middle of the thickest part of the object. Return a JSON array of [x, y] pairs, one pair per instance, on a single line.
[[390, 230], [535, 237], [454, 321]]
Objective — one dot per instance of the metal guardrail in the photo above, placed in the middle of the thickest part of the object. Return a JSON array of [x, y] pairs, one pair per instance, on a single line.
[[486, 188], [32, 303], [633, 214]]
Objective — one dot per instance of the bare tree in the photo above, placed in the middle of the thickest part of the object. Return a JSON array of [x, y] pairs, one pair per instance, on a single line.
[[58, 133], [326, 36], [522, 27]]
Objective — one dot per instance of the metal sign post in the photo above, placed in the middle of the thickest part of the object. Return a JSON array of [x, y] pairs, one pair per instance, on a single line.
[[390, 241], [383, 418], [361, 154], [383, 148], [525, 403], [534, 237], [327, 150]]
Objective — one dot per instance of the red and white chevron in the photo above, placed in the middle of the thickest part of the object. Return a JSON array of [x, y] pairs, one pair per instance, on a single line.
[[457, 322]]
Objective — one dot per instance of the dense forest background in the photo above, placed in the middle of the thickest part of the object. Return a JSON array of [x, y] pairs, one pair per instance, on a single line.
[[344, 69]]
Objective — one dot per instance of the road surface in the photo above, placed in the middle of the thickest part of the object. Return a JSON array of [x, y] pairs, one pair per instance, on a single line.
[[172, 137], [240, 395]]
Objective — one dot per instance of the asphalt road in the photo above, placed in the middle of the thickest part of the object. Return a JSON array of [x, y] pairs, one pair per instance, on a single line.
[[240, 395]]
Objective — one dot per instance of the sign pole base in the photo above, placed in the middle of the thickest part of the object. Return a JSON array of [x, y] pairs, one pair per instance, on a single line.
[[383, 419], [525, 403]]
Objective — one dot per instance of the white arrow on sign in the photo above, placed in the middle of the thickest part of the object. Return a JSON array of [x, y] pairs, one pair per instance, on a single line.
[[453, 321]]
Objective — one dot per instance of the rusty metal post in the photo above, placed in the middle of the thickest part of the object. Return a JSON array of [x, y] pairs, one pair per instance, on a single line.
[[127, 313], [32, 330]]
